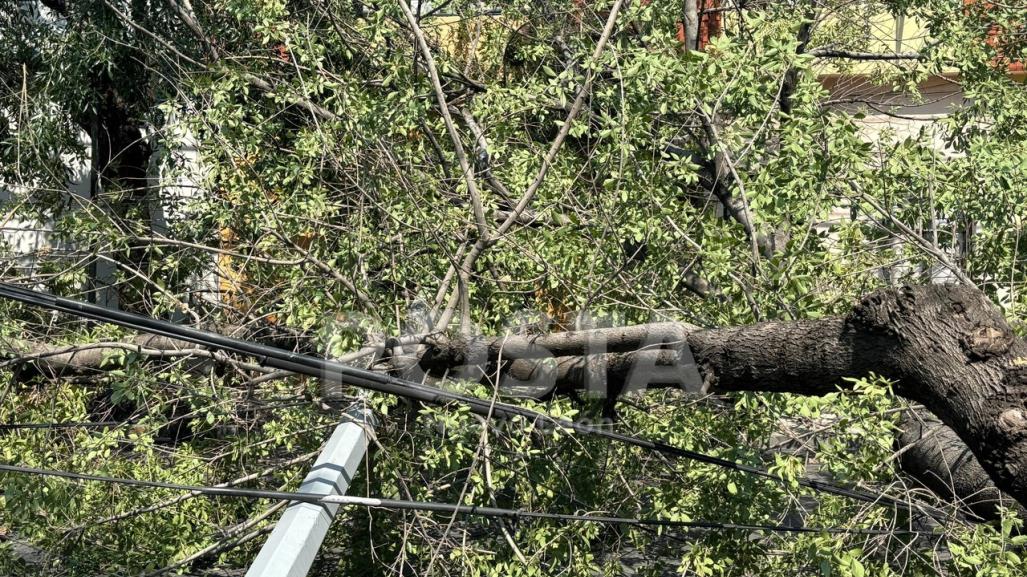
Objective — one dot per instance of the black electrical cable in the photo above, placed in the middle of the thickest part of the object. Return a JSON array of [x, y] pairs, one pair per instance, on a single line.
[[326, 369], [66, 425], [431, 506]]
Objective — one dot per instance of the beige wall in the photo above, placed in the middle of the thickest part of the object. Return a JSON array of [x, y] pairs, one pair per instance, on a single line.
[[892, 115]]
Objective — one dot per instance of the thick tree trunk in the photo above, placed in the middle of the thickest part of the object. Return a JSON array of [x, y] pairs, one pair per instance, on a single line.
[[946, 347], [951, 350], [932, 453]]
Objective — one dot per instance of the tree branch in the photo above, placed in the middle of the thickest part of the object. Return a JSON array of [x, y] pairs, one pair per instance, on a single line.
[[483, 243], [853, 55], [934, 455], [947, 347], [440, 98]]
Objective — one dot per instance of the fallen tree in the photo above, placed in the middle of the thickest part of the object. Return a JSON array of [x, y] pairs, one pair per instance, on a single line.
[[946, 347]]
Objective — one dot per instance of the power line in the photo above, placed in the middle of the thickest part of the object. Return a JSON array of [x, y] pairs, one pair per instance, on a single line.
[[333, 371], [66, 425], [435, 507]]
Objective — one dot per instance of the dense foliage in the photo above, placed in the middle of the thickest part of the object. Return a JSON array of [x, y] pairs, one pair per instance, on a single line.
[[326, 204]]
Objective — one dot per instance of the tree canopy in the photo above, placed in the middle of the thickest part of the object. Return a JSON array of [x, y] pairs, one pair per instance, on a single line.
[[383, 183]]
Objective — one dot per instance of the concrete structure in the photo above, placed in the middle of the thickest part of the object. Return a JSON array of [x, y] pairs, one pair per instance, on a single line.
[[293, 545]]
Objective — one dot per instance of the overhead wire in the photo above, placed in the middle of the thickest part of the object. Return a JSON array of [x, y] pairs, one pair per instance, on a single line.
[[437, 507], [66, 425], [333, 371]]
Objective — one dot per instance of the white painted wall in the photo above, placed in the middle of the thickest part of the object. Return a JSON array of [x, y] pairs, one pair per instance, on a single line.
[[23, 240], [175, 175]]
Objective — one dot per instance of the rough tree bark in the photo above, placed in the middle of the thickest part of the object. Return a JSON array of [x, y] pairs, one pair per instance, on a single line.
[[932, 453], [946, 347]]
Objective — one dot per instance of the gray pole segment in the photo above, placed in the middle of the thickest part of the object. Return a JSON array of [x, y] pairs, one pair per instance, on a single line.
[[293, 545]]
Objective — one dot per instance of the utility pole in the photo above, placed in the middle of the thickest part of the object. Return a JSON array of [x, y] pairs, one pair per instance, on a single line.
[[293, 545]]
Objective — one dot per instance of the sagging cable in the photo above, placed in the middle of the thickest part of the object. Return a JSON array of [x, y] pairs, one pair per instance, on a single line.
[[434, 507]]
